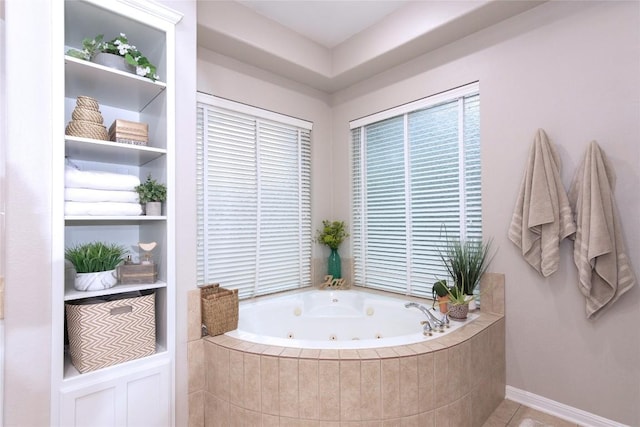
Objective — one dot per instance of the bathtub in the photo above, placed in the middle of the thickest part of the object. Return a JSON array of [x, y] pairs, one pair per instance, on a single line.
[[343, 373], [335, 319]]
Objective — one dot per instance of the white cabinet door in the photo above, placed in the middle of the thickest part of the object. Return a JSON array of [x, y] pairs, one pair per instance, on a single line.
[[140, 399]]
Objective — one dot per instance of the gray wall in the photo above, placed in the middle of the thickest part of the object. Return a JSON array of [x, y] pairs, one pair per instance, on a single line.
[[573, 69]]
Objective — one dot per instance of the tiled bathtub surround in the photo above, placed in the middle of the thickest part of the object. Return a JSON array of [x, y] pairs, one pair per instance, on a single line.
[[457, 380]]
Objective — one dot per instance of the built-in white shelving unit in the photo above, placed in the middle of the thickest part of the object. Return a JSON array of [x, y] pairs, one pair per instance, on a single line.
[[145, 383]]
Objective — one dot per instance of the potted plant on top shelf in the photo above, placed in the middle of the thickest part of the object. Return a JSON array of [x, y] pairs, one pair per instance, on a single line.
[[333, 234], [116, 53], [95, 264], [151, 193]]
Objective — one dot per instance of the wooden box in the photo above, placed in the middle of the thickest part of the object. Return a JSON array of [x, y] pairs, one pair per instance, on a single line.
[[128, 132], [135, 274]]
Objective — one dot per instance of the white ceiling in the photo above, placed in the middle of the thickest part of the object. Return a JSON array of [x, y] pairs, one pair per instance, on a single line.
[[330, 45], [327, 22]]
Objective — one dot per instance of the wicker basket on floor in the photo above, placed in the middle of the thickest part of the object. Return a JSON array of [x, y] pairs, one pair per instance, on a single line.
[[219, 309]]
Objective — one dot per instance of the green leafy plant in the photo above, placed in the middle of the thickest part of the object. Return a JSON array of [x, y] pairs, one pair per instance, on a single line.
[[466, 261], [95, 256], [439, 289], [457, 296], [118, 46], [151, 191], [332, 234]]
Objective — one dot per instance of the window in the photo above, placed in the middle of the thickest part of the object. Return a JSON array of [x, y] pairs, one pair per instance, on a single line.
[[254, 198], [416, 182]]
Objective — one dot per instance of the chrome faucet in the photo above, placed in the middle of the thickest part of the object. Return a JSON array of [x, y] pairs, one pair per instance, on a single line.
[[432, 321]]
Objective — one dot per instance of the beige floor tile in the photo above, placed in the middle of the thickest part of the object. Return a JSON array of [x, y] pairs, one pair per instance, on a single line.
[[494, 421], [505, 411], [540, 417]]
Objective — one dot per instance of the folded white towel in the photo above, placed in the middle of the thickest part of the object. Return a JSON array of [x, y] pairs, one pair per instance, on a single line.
[[599, 251], [99, 180], [102, 209], [542, 216], [91, 195]]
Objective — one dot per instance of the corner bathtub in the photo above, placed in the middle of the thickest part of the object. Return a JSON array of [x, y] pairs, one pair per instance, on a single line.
[[336, 371], [335, 319]]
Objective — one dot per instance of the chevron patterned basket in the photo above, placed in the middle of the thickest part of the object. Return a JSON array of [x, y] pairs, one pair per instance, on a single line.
[[102, 334]]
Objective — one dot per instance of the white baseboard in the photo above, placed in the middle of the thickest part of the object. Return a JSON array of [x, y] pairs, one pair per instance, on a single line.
[[559, 410]]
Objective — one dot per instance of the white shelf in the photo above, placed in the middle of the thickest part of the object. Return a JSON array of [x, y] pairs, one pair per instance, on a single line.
[[110, 87], [97, 220], [72, 294], [71, 373], [110, 152]]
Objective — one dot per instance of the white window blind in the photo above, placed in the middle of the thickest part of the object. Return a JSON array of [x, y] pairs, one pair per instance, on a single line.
[[254, 198], [416, 182]]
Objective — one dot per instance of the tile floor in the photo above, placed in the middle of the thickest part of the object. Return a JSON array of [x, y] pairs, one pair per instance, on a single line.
[[512, 414]]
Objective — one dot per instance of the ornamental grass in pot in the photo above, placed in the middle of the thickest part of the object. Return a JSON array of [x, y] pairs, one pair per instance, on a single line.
[[95, 264], [466, 261]]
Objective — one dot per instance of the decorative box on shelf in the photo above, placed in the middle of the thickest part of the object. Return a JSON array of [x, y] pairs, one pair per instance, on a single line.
[[127, 132], [135, 274]]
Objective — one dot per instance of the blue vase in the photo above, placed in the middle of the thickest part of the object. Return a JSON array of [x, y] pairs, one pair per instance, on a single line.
[[334, 265]]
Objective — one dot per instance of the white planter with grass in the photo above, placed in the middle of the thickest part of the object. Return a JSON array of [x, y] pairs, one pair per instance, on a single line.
[[95, 281]]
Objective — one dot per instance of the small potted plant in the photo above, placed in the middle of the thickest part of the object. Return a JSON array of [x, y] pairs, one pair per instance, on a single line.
[[151, 194], [458, 303], [116, 53], [333, 234], [440, 293], [95, 264]]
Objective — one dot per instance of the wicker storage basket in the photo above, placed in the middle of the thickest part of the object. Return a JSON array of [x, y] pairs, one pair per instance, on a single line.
[[85, 129], [87, 102], [106, 333], [219, 309]]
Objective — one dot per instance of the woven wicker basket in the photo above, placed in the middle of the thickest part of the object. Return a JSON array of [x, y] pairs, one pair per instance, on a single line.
[[87, 115], [107, 333], [86, 129], [88, 103], [219, 309]]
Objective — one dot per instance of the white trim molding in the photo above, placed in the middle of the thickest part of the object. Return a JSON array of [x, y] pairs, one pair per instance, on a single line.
[[558, 409], [156, 9]]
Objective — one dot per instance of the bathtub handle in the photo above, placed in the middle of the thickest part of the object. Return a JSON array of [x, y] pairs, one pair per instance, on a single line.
[[427, 329]]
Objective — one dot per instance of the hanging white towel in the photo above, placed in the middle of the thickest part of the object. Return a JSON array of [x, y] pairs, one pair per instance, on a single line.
[[599, 251], [542, 217]]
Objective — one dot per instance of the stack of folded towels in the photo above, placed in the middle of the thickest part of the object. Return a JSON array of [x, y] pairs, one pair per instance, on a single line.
[[100, 193]]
